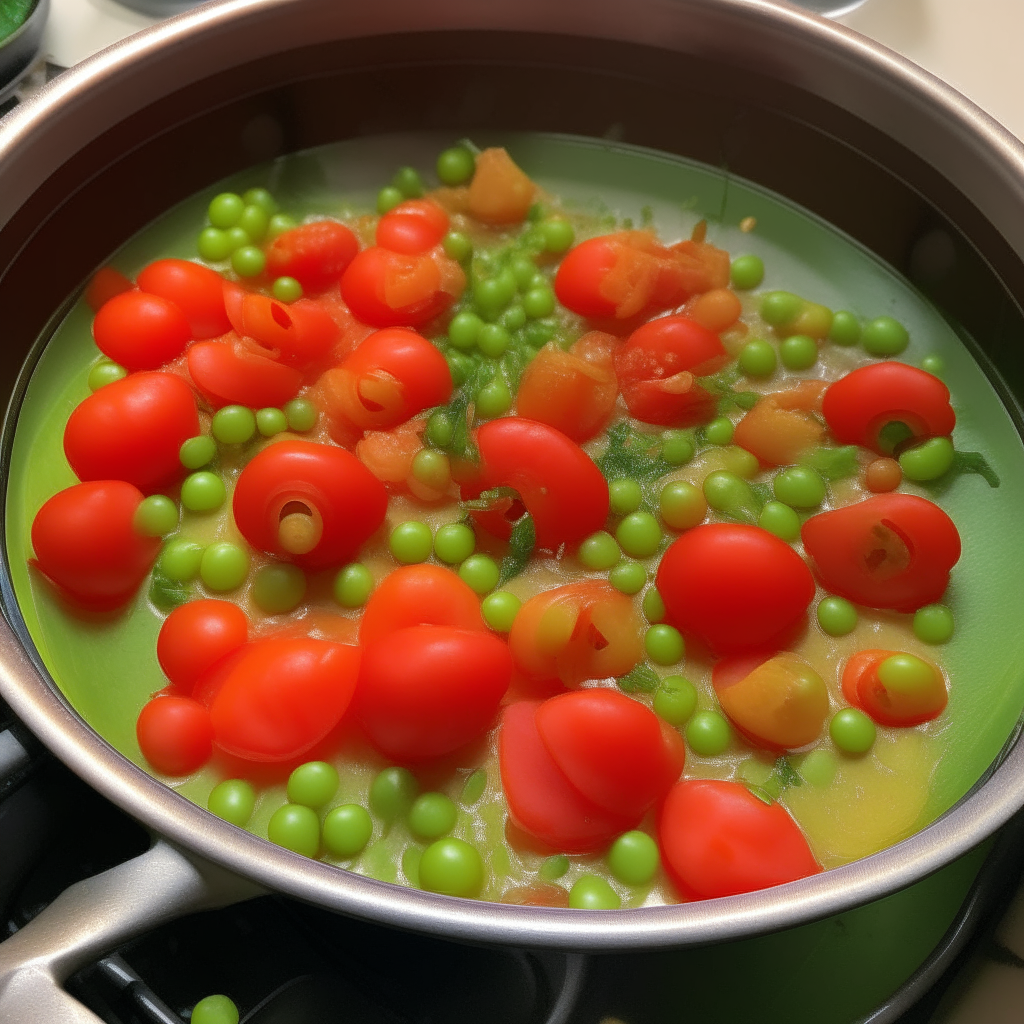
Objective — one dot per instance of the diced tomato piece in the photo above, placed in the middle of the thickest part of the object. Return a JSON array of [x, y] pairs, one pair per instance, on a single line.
[[231, 371]]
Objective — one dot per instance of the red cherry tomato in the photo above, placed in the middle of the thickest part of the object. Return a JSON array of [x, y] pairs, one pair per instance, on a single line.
[[316, 254], [412, 227], [389, 289], [900, 701], [890, 551], [196, 290], [557, 481], [344, 501], [133, 430], [735, 587], [425, 691], [175, 735], [657, 370], [275, 699], [230, 372], [420, 595], [718, 839], [857, 406], [141, 331], [104, 285], [85, 542], [197, 635]]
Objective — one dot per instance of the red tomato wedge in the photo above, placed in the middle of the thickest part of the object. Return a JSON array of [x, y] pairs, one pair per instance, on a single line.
[[196, 636], [233, 372], [196, 290], [412, 227], [316, 254], [175, 735], [141, 331]]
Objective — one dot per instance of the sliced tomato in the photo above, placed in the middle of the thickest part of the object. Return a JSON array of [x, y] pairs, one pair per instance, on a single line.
[[412, 227], [233, 372], [196, 290], [316, 254], [197, 635]]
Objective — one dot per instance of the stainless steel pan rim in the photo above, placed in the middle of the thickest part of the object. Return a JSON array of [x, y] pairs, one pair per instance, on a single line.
[[116, 83]]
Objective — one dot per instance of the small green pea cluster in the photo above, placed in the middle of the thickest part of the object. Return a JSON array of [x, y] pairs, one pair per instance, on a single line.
[[238, 224], [406, 184]]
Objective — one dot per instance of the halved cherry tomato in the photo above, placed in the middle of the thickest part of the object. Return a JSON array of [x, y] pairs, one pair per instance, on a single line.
[[104, 285], [576, 632], [500, 193], [901, 698], [412, 227], [889, 551], [393, 375], [557, 481], [328, 486], [425, 691], [858, 406], [86, 543], [196, 290], [275, 699], [316, 254], [389, 289], [658, 366], [133, 430], [141, 331], [718, 839], [737, 588], [419, 595], [232, 371], [197, 635], [175, 734], [783, 426]]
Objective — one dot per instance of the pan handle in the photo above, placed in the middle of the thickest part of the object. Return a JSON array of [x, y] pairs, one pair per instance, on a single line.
[[96, 915]]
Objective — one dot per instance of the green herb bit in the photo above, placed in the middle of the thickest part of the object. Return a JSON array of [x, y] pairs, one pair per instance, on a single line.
[[521, 543], [633, 455], [782, 777], [642, 679], [468, 144], [721, 383], [973, 462], [167, 594], [646, 216], [834, 463]]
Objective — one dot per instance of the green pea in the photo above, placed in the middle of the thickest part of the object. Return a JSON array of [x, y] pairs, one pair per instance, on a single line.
[[457, 246], [664, 645], [653, 606], [197, 452], [818, 768], [599, 551], [493, 400], [432, 815], [591, 892], [852, 731], [234, 424], [392, 793], [279, 589], [493, 294], [798, 352], [225, 209], [407, 180], [845, 328], [203, 492], [675, 700], [455, 166], [388, 198], [539, 302], [411, 542], [439, 430], [473, 788], [480, 573], [933, 624], [554, 867], [214, 245], [741, 462], [180, 559], [799, 487], [105, 372], [347, 830], [758, 359], [746, 272], [837, 616], [726, 492], [279, 223], [708, 733], [500, 609], [493, 340], [780, 308], [234, 800], [628, 577], [539, 332], [905, 673], [353, 585], [262, 198], [432, 469], [719, 430], [639, 535], [156, 516], [254, 222], [928, 460], [454, 543], [237, 238], [452, 867], [624, 496], [248, 261], [523, 270], [884, 336], [296, 828], [781, 520], [271, 421], [558, 234], [464, 330], [514, 317], [286, 289], [313, 784], [933, 364], [677, 447], [214, 1010], [634, 858], [223, 566]]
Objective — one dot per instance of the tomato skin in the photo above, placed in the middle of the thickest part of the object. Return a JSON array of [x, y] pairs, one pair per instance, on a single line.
[[412, 227], [558, 482], [274, 699], [888, 551], [229, 372], [426, 691], [316, 254], [141, 331], [863, 688], [175, 735], [579, 277], [857, 406], [331, 482], [657, 366], [196, 290], [197, 635], [85, 543], [104, 285], [718, 839], [132, 430], [420, 595], [735, 587]]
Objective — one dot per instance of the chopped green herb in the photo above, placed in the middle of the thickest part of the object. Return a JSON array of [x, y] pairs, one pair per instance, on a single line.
[[642, 679], [974, 462], [167, 594], [834, 463], [520, 548], [488, 499]]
